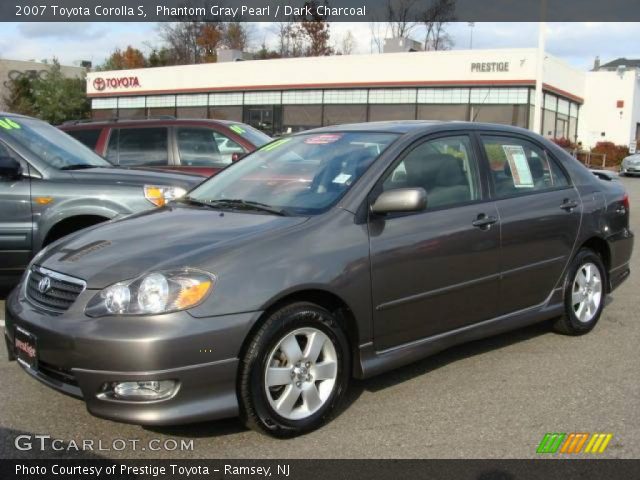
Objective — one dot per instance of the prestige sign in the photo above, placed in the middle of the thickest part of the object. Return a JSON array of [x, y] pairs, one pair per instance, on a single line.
[[100, 83], [485, 67]]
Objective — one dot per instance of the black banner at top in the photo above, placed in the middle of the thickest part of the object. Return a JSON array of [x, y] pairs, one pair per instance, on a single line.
[[330, 10]]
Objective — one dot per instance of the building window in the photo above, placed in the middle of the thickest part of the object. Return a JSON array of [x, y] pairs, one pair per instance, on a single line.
[[192, 100], [503, 114], [225, 99], [392, 112], [392, 95], [499, 95], [443, 95], [102, 114], [548, 123], [443, 112], [161, 112], [104, 103], [302, 97], [226, 113], [263, 98], [345, 96], [337, 114], [301, 117], [161, 101], [131, 102]]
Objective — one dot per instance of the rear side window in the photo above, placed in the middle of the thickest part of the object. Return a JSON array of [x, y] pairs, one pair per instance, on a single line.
[[518, 167], [444, 167], [88, 137], [202, 147], [138, 146]]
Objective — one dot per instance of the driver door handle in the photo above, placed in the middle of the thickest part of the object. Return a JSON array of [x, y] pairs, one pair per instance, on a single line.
[[568, 205], [484, 222]]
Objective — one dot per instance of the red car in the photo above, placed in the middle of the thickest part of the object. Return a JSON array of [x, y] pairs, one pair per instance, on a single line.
[[201, 147]]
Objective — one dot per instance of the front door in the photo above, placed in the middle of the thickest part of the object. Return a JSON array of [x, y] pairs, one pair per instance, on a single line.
[[539, 214], [16, 222], [435, 270]]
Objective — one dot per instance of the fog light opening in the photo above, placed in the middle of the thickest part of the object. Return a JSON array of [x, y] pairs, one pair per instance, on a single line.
[[143, 391]]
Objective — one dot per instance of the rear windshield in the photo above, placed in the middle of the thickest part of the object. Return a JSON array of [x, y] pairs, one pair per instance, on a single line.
[[256, 137], [86, 136]]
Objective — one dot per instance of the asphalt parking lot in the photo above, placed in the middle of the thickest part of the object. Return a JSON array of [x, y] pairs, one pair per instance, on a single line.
[[494, 398]]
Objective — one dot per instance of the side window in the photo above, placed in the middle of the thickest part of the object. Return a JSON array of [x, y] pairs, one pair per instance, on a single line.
[[204, 147], [86, 136], [444, 167], [518, 166], [140, 146]]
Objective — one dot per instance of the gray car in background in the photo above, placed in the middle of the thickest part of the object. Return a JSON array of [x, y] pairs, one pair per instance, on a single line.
[[630, 165], [330, 254], [52, 185]]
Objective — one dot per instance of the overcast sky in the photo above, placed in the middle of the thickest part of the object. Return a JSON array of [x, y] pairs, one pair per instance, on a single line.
[[577, 43]]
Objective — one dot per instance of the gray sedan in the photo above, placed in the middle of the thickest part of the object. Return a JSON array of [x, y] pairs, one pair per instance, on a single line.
[[336, 253], [630, 165]]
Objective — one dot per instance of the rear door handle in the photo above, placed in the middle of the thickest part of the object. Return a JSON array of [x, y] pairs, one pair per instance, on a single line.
[[568, 205], [484, 222]]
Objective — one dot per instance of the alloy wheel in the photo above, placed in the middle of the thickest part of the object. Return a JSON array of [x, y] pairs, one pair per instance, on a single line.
[[586, 293]]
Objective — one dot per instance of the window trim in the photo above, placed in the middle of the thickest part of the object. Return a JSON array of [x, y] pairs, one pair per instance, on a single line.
[[492, 187], [376, 190]]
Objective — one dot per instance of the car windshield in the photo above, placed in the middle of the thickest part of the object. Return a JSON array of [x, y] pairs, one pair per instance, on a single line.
[[300, 175], [52, 146], [256, 137]]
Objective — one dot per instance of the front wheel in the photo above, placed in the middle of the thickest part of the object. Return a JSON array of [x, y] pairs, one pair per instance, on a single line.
[[295, 371], [584, 295]]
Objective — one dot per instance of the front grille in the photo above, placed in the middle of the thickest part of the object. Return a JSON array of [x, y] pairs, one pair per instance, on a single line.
[[60, 294], [62, 375]]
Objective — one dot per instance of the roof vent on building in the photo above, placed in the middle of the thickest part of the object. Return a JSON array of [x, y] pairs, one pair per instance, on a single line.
[[231, 55], [397, 45], [596, 63]]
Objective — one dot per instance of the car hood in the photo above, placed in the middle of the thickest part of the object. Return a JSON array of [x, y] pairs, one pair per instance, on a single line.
[[171, 237], [136, 177]]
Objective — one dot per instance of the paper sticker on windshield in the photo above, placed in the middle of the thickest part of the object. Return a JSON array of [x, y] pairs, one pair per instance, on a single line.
[[323, 139], [342, 178], [520, 170]]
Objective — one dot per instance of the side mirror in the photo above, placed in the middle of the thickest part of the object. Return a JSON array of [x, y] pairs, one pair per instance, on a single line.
[[400, 200], [237, 156], [10, 168]]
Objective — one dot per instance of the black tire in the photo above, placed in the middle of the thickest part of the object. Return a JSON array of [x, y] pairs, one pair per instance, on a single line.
[[255, 408], [569, 323]]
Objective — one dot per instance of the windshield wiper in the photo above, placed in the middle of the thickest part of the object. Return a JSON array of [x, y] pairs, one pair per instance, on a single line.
[[80, 166], [240, 204]]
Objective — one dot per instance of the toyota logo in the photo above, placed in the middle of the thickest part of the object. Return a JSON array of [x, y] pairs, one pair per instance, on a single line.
[[44, 284], [99, 83]]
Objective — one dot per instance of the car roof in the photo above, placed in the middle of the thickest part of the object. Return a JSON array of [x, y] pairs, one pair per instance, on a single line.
[[408, 126], [73, 124]]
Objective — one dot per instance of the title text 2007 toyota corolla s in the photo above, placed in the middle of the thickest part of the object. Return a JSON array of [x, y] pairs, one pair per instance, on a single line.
[[336, 253]]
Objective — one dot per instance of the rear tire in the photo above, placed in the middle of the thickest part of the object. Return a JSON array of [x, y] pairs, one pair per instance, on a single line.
[[585, 290], [295, 371]]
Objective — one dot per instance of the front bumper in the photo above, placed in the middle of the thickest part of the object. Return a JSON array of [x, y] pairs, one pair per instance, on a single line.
[[78, 355]]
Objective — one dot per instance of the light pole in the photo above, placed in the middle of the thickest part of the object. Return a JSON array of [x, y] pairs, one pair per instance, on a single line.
[[471, 25]]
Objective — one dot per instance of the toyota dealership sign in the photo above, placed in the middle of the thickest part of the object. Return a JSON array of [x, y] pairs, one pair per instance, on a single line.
[[114, 83]]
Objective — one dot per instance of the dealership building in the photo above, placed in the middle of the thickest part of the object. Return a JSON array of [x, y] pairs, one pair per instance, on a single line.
[[292, 94]]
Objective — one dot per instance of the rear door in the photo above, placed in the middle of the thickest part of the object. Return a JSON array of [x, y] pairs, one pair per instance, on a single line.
[[436, 270], [16, 222], [539, 215], [201, 147], [139, 147]]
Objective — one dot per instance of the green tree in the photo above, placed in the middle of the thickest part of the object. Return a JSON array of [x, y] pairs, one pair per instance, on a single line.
[[50, 96]]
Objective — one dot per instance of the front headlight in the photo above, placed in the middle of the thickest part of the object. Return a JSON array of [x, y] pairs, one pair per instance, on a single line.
[[160, 196], [154, 293]]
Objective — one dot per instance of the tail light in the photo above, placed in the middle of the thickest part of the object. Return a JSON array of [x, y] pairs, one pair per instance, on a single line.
[[625, 201]]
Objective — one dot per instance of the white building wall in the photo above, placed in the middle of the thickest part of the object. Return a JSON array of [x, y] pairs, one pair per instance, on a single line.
[[600, 117]]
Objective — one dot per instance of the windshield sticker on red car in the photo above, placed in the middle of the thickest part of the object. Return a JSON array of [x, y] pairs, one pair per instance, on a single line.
[[238, 129], [520, 170], [323, 139]]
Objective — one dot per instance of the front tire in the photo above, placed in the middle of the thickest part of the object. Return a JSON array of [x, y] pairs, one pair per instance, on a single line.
[[295, 371], [584, 294]]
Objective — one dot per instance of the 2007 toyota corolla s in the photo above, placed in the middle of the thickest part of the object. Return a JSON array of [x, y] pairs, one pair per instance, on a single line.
[[336, 253]]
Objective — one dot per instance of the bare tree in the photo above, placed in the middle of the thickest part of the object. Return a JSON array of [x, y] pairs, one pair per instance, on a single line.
[[435, 19], [348, 44], [378, 34], [399, 16]]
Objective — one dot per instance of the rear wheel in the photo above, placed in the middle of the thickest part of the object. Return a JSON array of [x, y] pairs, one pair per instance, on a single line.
[[584, 295], [295, 371]]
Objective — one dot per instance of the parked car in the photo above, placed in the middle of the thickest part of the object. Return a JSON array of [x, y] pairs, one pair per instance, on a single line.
[[266, 295], [202, 147], [630, 165], [51, 185]]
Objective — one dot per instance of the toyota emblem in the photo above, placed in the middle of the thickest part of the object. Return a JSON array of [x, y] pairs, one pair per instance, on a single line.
[[99, 83], [44, 284]]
